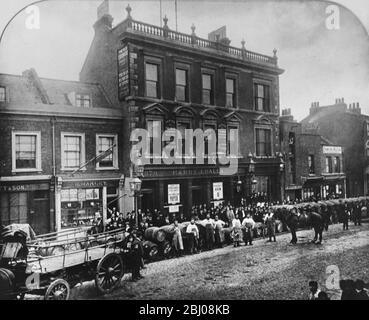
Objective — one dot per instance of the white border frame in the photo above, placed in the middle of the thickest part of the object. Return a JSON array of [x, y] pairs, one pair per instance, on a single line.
[[83, 150]]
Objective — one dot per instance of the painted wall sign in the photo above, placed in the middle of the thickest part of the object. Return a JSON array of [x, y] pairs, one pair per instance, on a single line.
[[123, 72], [217, 190], [332, 149], [173, 194]]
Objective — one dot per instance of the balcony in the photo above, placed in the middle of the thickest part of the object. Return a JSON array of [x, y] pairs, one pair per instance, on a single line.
[[191, 40]]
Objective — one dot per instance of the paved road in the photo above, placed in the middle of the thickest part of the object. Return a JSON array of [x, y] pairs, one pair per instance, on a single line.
[[264, 271]]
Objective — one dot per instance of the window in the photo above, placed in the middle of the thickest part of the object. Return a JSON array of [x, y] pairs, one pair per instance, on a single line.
[[181, 127], [230, 93], [311, 164], [336, 164], [13, 207], [152, 80], [26, 151], [231, 140], [328, 164], [263, 142], [83, 100], [292, 170], [207, 140], [2, 94], [107, 148], [73, 154], [181, 85], [207, 89], [261, 96], [367, 123], [155, 129]]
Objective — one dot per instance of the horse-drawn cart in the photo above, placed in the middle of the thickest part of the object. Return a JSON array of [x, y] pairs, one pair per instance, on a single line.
[[32, 268]]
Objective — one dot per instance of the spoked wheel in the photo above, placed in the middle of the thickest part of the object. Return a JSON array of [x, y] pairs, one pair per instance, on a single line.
[[109, 272], [58, 290]]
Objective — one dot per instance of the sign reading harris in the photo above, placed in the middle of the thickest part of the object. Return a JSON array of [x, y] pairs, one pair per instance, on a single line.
[[332, 149]]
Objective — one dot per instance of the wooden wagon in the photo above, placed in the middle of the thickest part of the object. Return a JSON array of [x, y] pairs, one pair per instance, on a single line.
[[80, 257]]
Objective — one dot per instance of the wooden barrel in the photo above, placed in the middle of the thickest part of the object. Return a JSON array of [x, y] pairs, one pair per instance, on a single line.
[[166, 249], [7, 281], [155, 234], [151, 250], [168, 229]]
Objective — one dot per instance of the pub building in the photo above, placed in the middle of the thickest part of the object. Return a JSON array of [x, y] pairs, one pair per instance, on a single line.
[[314, 165], [185, 82], [52, 131]]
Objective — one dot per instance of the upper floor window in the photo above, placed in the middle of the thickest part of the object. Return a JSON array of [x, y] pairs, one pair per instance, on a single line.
[[106, 151], [337, 164], [181, 85], [262, 97], [73, 155], [328, 165], [232, 138], [152, 80], [155, 129], [26, 149], [230, 92], [367, 127], [2, 94], [207, 89], [181, 127], [263, 142], [311, 164], [83, 100]]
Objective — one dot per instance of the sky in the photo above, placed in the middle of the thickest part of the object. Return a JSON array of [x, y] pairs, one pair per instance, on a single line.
[[320, 64]]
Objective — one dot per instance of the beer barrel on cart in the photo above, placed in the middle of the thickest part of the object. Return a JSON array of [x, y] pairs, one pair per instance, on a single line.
[[151, 250], [166, 249], [155, 234], [6, 283]]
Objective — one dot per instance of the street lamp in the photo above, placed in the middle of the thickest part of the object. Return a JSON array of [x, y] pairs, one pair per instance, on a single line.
[[135, 186]]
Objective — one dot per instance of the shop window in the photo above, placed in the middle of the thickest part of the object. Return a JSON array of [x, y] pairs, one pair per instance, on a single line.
[[152, 80], [311, 164], [181, 85], [26, 151], [83, 100], [73, 154], [106, 151], [207, 89], [263, 142], [78, 206], [2, 94], [262, 97], [230, 93], [13, 208]]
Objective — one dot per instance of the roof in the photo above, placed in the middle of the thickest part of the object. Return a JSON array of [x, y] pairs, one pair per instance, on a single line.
[[29, 89]]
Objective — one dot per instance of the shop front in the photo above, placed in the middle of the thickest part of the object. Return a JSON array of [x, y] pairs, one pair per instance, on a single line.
[[78, 201], [27, 201]]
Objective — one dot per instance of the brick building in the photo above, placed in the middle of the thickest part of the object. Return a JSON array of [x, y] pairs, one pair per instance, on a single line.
[[345, 125], [314, 165], [49, 129], [183, 82]]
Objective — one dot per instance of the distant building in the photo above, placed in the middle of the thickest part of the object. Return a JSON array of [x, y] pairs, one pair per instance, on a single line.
[[344, 125], [183, 82], [51, 133], [313, 164]]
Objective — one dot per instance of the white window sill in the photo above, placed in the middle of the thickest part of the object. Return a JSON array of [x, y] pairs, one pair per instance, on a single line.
[[39, 170], [73, 169], [106, 169]]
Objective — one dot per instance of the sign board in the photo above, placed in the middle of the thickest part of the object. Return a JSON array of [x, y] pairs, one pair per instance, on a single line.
[[123, 72], [332, 149], [173, 194], [173, 209], [217, 190]]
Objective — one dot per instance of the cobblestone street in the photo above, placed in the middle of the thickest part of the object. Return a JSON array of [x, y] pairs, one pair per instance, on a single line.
[[264, 271]]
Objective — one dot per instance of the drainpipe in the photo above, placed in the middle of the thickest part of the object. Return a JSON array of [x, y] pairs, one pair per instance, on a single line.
[[53, 142]]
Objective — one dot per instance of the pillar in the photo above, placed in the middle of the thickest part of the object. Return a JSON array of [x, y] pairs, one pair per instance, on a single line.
[[121, 195], [208, 190], [161, 194], [231, 190], [188, 203], [58, 187], [104, 204], [52, 206]]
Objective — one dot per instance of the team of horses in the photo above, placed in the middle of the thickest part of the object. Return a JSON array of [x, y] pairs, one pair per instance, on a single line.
[[316, 215]]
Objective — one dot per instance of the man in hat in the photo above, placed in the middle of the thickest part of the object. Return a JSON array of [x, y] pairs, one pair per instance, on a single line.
[[248, 224], [133, 250], [314, 291]]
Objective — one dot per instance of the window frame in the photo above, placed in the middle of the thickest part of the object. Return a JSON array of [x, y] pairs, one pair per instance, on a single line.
[[234, 77], [328, 164], [210, 73], [83, 99], [151, 146], [264, 83], [38, 167], [270, 129], [115, 151], [5, 94], [158, 63], [82, 151], [185, 67], [311, 167]]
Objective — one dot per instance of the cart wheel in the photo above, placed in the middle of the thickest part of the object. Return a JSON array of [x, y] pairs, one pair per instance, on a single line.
[[109, 272], [58, 290]]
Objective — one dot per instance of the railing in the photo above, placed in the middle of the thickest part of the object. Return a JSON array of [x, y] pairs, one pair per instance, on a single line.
[[195, 41]]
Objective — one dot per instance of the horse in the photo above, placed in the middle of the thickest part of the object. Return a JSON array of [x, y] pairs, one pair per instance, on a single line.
[[313, 219]]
